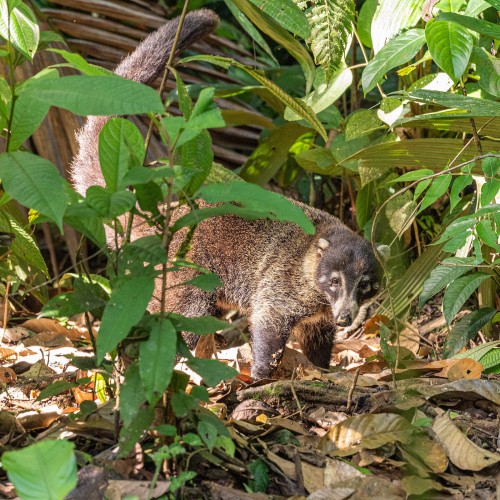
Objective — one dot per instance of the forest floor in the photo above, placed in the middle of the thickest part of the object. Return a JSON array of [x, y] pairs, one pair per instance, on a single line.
[[430, 429]]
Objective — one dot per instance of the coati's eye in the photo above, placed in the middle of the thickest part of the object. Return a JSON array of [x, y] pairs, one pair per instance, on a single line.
[[335, 281], [365, 287]]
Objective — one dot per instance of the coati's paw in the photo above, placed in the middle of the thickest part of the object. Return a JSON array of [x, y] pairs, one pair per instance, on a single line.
[[259, 372]]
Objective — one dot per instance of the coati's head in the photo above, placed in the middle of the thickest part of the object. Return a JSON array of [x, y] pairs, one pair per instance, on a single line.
[[348, 273]]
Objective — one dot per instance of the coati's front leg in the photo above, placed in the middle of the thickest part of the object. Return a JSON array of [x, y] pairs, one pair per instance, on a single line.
[[270, 333], [316, 341]]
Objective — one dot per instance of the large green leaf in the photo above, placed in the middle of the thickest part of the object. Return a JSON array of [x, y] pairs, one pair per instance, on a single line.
[[479, 107], [325, 94], [28, 114], [392, 17], [466, 329], [213, 371], [121, 147], [42, 470], [157, 358], [95, 95], [20, 27], [450, 46], [35, 183], [472, 23], [296, 105], [397, 51], [125, 309], [409, 286], [488, 69], [419, 153], [459, 291], [249, 28], [442, 276], [475, 7], [274, 30], [265, 161], [331, 24], [286, 14]]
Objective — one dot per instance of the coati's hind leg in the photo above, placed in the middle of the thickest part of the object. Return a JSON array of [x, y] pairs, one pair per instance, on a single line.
[[316, 341], [191, 302]]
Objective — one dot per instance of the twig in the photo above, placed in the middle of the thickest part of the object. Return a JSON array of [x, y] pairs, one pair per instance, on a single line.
[[294, 394], [351, 390]]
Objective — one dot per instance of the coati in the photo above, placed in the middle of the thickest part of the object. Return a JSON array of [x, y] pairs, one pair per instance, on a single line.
[[284, 280]]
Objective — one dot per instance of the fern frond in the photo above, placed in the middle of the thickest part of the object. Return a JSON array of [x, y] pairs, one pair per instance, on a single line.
[[331, 23]]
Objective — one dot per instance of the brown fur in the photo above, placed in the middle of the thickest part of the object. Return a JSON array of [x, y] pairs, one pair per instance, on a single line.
[[271, 271]]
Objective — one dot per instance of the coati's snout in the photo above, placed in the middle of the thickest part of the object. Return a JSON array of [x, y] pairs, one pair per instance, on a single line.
[[347, 273]]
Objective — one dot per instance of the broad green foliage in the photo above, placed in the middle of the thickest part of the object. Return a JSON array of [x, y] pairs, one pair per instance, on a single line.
[[43, 470], [331, 27]]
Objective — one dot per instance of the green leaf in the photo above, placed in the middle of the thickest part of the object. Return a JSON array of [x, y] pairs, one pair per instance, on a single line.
[[414, 175], [202, 325], [475, 7], [459, 184], [28, 114], [331, 24], [361, 123], [157, 358], [270, 205], [392, 17], [364, 24], [450, 46], [132, 397], [34, 182], [459, 291], [478, 107], [79, 63], [487, 233], [489, 190], [183, 403], [275, 31], [207, 282], [96, 95], [287, 14], [466, 329], [296, 105], [87, 297], [472, 23], [20, 27], [121, 147], [269, 156], [126, 307], [325, 94], [208, 433], [260, 476], [212, 371], [397, 51], [438, 187], [249, 28], [42, 470], [55, 389], [318, 160], [488, 69], [108, 204], [442, 276]]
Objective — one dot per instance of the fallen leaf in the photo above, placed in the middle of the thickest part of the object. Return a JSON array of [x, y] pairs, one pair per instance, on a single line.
[[49, 339], [14, 334], [461, 451], [338, 470], [465, 368], [7, 375], [314, 477], [366, 431], [6, 353]]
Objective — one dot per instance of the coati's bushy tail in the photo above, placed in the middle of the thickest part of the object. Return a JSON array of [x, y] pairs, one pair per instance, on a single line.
[[143, 65]]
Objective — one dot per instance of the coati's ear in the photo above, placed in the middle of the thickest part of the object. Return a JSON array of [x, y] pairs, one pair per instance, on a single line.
[[322, 245], [384, 251]]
